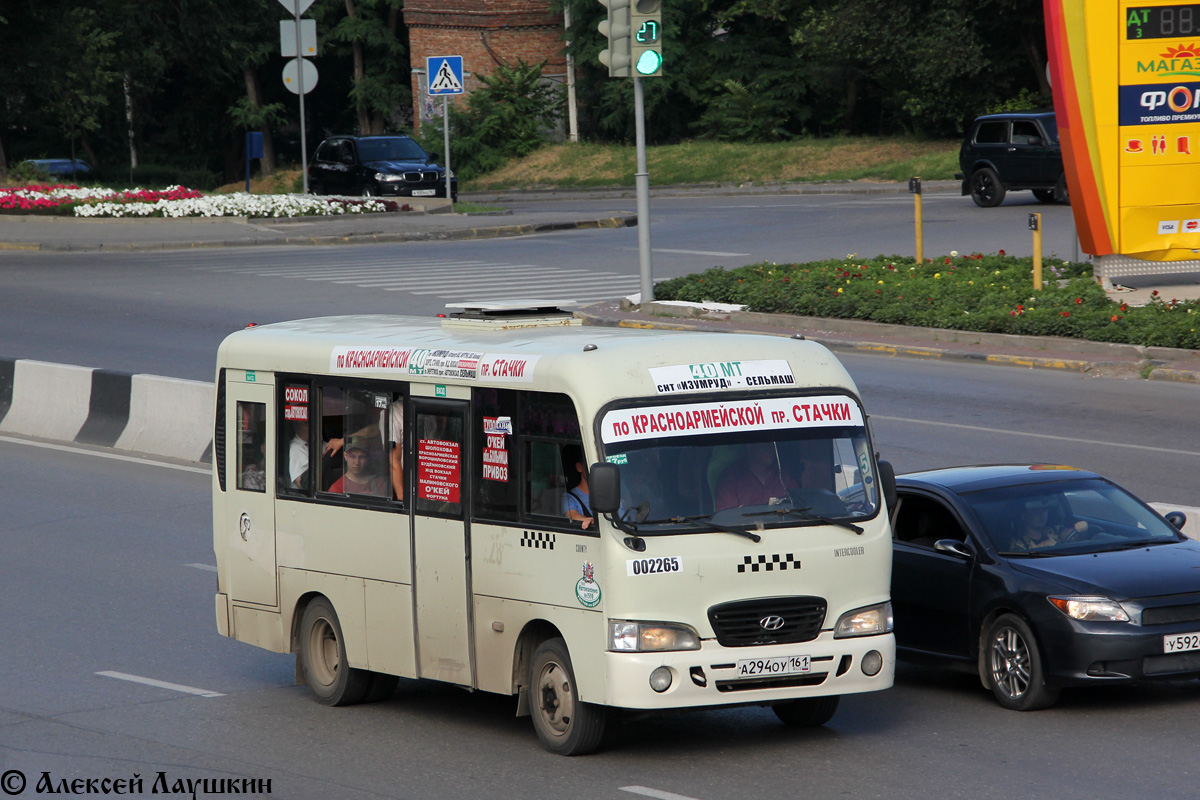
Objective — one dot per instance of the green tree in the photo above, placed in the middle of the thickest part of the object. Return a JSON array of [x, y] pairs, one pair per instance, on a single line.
[[511, 114]]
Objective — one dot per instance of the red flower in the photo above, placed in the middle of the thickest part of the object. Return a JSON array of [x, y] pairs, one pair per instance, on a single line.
[[1066, 313], [1154, 293], [1115, 318], [1001, 252], [1124, 306], [1078, 300], [947, 260], [1020, 307]]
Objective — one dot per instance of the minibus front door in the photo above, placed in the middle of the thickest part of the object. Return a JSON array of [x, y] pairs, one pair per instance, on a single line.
[[441, 557]]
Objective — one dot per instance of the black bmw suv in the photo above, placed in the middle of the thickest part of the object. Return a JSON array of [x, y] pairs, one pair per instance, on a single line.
[[377, 166], [1011, 151]]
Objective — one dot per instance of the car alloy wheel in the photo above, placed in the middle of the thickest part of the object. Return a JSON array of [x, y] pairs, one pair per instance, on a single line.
[[1013, 666]]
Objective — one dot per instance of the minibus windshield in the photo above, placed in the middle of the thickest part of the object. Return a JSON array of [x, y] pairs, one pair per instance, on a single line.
[[777, 462]]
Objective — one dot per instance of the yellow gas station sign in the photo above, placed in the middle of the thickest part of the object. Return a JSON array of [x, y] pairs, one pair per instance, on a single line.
[[1126, 81]]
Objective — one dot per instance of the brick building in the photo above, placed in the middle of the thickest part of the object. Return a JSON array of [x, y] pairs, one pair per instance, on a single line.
[[485, 33]]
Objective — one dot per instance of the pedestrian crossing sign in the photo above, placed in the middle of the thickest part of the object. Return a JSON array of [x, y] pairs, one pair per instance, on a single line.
[[445, 74]]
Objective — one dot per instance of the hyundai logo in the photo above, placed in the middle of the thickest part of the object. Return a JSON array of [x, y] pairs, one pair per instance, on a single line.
[[771, 623]]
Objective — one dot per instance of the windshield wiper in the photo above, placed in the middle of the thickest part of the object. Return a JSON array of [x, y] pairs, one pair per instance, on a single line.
[[807, 513], [704, 521]]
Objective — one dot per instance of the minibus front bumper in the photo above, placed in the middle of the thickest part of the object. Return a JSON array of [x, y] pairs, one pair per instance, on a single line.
[[710, 676]]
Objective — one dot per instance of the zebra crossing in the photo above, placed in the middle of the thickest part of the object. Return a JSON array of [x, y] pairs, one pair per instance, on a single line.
[[454, 280]]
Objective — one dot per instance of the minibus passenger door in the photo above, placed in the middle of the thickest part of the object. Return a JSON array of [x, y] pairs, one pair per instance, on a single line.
[[441, 575], [249, 513]]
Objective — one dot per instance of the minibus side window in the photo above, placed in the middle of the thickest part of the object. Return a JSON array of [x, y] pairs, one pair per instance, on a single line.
[[496, 474], [251, 444], [355, 459]]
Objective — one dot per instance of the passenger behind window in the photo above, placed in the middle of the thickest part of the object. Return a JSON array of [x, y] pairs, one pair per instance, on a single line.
[[362, 473], [576, 504], [298, 455]]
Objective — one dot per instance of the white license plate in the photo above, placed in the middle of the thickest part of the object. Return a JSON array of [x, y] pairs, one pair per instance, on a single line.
[[424, 192], [1181, 642], [780, 665]]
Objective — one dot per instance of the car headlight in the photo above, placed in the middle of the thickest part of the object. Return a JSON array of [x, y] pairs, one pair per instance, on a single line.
[[389, 177], [1090, 609], [868, 621], [628, 636]]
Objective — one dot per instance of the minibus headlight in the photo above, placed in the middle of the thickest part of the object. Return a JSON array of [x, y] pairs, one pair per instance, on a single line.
[[625, 636], [869, 621]]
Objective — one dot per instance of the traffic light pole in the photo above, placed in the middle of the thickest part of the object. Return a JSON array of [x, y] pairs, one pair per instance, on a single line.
[[642, 183]]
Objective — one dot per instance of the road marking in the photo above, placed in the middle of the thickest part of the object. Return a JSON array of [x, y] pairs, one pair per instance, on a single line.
[[175, 687], [658, 793], [68, 449], [696, 252], [1051, 437], [207, 567]]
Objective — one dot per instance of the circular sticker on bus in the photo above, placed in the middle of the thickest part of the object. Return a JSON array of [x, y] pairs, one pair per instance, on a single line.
[[587, 591]]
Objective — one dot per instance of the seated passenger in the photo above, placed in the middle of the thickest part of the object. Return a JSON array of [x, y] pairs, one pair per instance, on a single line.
[[1035, 530], [360, 477], [754, 480]]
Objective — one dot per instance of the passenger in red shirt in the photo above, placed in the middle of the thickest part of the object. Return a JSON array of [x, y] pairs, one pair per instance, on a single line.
[[359, 477], [754, 480]]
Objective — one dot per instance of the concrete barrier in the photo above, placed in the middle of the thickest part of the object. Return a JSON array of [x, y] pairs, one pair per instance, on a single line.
[[136, 413]]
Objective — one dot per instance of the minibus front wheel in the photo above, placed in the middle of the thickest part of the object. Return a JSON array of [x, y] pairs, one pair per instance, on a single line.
[[565, 724], [323, 657]]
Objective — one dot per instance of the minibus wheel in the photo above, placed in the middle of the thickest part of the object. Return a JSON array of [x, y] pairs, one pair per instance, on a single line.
[[323, 656], [808, 712], [565, 724]]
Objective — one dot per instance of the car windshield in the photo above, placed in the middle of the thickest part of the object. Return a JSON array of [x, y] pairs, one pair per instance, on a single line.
[[1067, 517], [391, 149], [796, 461]]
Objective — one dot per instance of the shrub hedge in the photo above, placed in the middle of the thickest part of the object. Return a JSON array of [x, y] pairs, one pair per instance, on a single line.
[[975, 292]]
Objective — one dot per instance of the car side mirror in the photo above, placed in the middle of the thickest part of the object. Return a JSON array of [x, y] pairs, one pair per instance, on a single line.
[[1035, 141], [604, 483], [887, 483], [1176, 518], [953, 547]]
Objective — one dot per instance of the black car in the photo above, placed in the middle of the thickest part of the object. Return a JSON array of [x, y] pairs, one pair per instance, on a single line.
[[1011, 151], [1040, 577], [377, 166]]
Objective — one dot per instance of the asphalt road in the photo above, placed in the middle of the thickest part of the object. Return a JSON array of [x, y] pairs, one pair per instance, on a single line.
[[165, 312], [106, 563], [108, 586]]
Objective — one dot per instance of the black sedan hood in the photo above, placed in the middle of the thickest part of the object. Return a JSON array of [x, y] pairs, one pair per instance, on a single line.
[[401, 166], [1152, 571]]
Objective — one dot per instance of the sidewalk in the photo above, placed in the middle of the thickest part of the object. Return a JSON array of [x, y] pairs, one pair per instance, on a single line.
[[68, 234]]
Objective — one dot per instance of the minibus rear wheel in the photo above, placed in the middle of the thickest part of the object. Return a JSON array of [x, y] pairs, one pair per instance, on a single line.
[[565, 724], [808, 712], [323, 656]]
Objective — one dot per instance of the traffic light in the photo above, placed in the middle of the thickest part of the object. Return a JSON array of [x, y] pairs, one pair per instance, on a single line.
[[616, 29], [645, 23]]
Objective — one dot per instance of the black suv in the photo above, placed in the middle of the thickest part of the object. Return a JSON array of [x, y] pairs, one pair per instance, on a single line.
[[1017, 150], [383, 166]]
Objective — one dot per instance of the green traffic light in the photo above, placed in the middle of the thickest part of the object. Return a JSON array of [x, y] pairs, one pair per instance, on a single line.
[[649, 62]]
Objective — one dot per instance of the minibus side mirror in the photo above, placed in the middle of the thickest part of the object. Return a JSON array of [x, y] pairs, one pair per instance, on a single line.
[[604, 481], [887, 483]]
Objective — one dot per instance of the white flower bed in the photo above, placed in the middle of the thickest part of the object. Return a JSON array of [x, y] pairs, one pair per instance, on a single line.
[[239, 204]]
